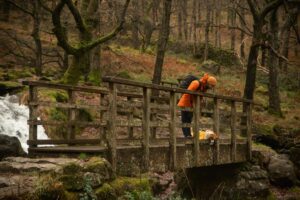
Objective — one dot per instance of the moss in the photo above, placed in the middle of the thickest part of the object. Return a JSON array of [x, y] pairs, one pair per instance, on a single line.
[[123, 184], [85, 115], [72, 182], [99, 166], [271, 196], [71, 168], [106, 192], [264, 129], [58, 114], [124, 74]]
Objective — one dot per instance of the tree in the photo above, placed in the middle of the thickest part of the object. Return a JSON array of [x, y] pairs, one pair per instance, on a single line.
[[273, 62], [80, 51], [162, 41], [207, 25], [258, 39]]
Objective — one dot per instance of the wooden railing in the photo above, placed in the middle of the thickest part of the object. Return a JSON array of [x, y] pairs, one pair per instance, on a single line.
[[122, 104]]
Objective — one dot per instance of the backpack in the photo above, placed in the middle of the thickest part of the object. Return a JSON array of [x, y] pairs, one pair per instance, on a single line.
[[186, 81]]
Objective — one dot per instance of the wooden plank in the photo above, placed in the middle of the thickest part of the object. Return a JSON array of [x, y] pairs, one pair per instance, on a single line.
[[71, 116], [130, 119], [153, 118], [101, 120], [146, 127], [196, 119], [172, 140], [111, 137], [33, 97], [46, 84], [233, 131], [66, 123], [66, 105], [249, 130], [216, 130], [169, 89], [64, 141]]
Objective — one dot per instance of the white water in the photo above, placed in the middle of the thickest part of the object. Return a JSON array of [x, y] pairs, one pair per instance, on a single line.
[[13, 120]]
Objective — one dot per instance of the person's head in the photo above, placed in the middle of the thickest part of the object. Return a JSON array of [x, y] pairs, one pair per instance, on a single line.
[[211, 82]]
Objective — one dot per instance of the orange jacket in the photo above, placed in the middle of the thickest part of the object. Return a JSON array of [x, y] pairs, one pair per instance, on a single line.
[[186, 100]]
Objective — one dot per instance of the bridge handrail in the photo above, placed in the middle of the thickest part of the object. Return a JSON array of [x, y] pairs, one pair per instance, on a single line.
[[170, 89]]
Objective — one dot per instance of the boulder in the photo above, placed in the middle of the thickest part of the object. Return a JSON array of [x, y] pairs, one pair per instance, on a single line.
[[281, 171], [251, 182], [10, 146]]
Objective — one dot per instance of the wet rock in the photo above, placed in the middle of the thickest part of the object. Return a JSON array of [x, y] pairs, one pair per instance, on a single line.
[[281, 171], [10, 146]]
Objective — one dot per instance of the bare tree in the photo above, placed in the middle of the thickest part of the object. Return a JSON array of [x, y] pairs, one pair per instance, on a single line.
[[207, 25]]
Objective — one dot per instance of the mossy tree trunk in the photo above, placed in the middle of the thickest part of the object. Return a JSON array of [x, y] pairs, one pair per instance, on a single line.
[[82, 50], [273, 61]]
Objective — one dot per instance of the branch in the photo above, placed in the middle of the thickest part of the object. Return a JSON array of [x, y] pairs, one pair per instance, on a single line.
[[109, 36], [78, 19], [292, 20], [21, 8], [45, 7], [59, 32], [240, 29], [253, 10], [269, 7], [268, 46]]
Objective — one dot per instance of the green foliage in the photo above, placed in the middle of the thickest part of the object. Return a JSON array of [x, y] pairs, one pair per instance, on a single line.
[[88, 193], [95, 77], [58, 114], [139, 195], [106, 192], [61, 96], [82, 156]]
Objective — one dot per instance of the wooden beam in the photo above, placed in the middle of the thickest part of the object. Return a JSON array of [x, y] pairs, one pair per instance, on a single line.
[[233, 131], [196, 119], [130, 119], [63, 141], [216, 130], [33, 97], [146, 127], [71, 115], [111, 137], [172, 139]]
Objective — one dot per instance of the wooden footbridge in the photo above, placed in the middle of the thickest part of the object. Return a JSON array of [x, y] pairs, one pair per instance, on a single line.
[[133, 128]]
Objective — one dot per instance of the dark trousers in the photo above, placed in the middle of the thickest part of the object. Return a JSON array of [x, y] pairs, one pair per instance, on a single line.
[[186, 117]]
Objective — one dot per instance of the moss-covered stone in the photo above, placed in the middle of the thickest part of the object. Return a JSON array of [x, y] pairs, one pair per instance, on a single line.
[[71, 168], [106, 192], [9, 87], [100, 166], [72, 182], [123, 184]]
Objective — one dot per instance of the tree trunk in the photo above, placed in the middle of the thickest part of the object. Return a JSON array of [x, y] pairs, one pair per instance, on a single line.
[[5, 10], [285, 50], [135, 25], [36, 37], [232, 24], [162, 42], [179, 19], [207, 29], [263, 56], [217, 24], [194, 27], [274, 99], [184, 18], [242, 36]]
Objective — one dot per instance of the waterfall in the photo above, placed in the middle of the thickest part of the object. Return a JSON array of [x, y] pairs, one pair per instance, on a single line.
[[13, 120]]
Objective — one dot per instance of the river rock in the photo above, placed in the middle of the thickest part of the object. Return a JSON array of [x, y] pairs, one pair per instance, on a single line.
[[10, 146], [281, 171]]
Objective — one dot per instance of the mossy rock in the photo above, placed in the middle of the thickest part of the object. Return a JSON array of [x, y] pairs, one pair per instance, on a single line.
[[99, 166], [72, 168], [72, 182], [121, 186], [212, 66], [10, 87], [106, 192]]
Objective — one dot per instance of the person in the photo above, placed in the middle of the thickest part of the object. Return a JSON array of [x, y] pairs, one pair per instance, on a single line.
[[205, 83]]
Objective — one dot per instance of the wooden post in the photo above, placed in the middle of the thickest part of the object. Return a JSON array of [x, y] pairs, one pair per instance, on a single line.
[[33, 97], [249, 130], [71, 115], [153, 119], [196, 118], [173, 153], [233, 131], [101, 129], [130, 119], [111, 137], [216, 130], [146, 126]]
